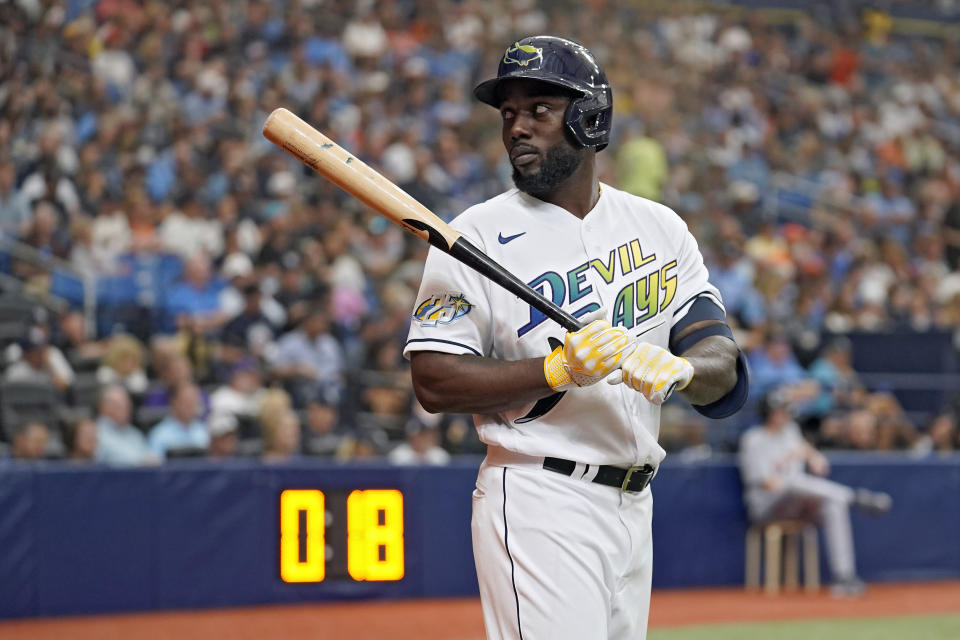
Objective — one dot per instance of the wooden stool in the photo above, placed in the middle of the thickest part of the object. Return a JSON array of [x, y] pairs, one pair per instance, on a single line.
[[779, 542]]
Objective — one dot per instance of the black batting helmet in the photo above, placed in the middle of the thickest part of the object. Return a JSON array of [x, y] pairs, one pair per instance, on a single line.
[[566, 64]]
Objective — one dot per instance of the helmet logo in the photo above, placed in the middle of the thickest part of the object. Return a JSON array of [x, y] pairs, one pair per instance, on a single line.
[[523, 55]]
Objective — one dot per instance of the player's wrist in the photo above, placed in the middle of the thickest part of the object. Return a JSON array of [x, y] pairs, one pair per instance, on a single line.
[[556, 371], [689, 378]]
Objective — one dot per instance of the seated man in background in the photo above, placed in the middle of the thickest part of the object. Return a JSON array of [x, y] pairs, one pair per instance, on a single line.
[[194, 303], [80, 439], [40, 363], [182, 431], [242, 396], [119, 442], [422, 446], [30, 441], [310, 360], [223, 436], [250, 331], [773, 460], [324, 433]]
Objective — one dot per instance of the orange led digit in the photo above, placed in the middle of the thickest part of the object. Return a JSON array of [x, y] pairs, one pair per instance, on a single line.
[[375, 534], [311, 568]]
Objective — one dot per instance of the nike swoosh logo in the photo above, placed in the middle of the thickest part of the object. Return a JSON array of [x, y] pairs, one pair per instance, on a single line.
[[505, 240]]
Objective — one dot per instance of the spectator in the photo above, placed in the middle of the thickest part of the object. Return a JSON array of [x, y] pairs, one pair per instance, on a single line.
[[110, 233], [84, 257], [281, 437], [249, 332], [891, 212], [324, 436], [774, 367], [861, 430], [951, 235], [45, 234], [181, 432], [295, 292], [175, 369], [274, 403], [194, 304], [237, 270], [422, 447], [14, 205], [188, 232], [71, 339], [942, 437], [733, 276], [772, 459], [894, 430], [119, 443], [642, 166], [310, 360], [40, 363], [839, 383], [30, 441], [80, 438], [244, 394], [123, 364], [367, 446], [223, 435]]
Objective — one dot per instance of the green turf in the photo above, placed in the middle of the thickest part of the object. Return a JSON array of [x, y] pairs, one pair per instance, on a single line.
[[946, 627]]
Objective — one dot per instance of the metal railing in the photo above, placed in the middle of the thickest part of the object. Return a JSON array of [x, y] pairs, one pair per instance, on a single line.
[[806, 195], [25, 253]]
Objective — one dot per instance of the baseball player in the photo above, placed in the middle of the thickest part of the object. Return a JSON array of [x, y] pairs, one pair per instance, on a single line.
[[561, 512], [774, 459]]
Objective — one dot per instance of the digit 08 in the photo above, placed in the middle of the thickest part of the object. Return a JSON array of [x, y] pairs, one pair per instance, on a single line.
[[375, 547]]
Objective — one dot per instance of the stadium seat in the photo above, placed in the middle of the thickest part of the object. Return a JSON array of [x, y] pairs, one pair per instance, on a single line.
[[11, 331], [146, 417], [21, 402], [248, 427], [15, 308], [777, 542], [86, 390]]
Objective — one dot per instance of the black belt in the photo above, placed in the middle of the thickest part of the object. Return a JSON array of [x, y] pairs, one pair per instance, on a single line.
[[634, 479]]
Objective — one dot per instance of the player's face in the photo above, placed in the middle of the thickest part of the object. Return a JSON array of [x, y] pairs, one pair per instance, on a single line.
[[533, 135]]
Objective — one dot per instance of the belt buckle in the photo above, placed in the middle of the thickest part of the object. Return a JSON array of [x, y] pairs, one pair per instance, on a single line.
[[626, 478]]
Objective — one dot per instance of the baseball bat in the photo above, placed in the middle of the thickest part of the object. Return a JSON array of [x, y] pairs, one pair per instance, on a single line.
[[338, 165]]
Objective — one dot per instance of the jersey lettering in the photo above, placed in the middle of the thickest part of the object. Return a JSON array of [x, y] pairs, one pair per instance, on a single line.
[[647, 296], [558, 293], [575, 280], [642, 296], [605, 270]]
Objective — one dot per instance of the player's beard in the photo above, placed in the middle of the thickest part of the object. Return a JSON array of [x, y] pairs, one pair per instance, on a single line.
[[559, 163]]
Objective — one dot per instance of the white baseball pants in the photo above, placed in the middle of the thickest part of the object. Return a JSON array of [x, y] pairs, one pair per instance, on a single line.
[[560, 558]]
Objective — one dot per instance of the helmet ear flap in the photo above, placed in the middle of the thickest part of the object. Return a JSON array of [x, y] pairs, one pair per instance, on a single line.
[[589, 117]]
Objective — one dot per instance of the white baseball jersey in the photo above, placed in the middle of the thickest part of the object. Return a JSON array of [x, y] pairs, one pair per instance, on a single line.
[[629, 255]]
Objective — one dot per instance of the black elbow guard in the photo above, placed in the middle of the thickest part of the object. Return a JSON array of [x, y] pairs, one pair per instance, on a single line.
[[706, 309], [734, 400]]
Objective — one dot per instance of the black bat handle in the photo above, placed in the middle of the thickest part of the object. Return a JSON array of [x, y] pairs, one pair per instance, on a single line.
[[480, 262]]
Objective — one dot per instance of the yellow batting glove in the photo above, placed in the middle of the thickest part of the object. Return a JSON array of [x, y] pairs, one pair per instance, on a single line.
[[654, 372], [586, 356]]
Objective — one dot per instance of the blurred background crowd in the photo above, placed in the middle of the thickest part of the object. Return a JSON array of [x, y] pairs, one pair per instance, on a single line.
[[174, 286]]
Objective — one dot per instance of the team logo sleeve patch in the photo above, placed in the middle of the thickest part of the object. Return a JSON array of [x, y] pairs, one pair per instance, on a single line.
[[441, 309]]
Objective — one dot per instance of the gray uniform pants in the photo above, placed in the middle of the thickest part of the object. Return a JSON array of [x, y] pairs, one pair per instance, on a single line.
[[807, 497]]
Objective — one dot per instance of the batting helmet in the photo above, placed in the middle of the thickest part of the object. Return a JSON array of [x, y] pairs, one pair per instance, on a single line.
[[566, 64]]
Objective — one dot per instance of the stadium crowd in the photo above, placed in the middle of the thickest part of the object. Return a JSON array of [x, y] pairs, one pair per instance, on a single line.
[[246, 307]]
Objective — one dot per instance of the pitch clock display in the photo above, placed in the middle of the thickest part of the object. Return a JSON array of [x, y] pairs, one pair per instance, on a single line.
[[354, 535]]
